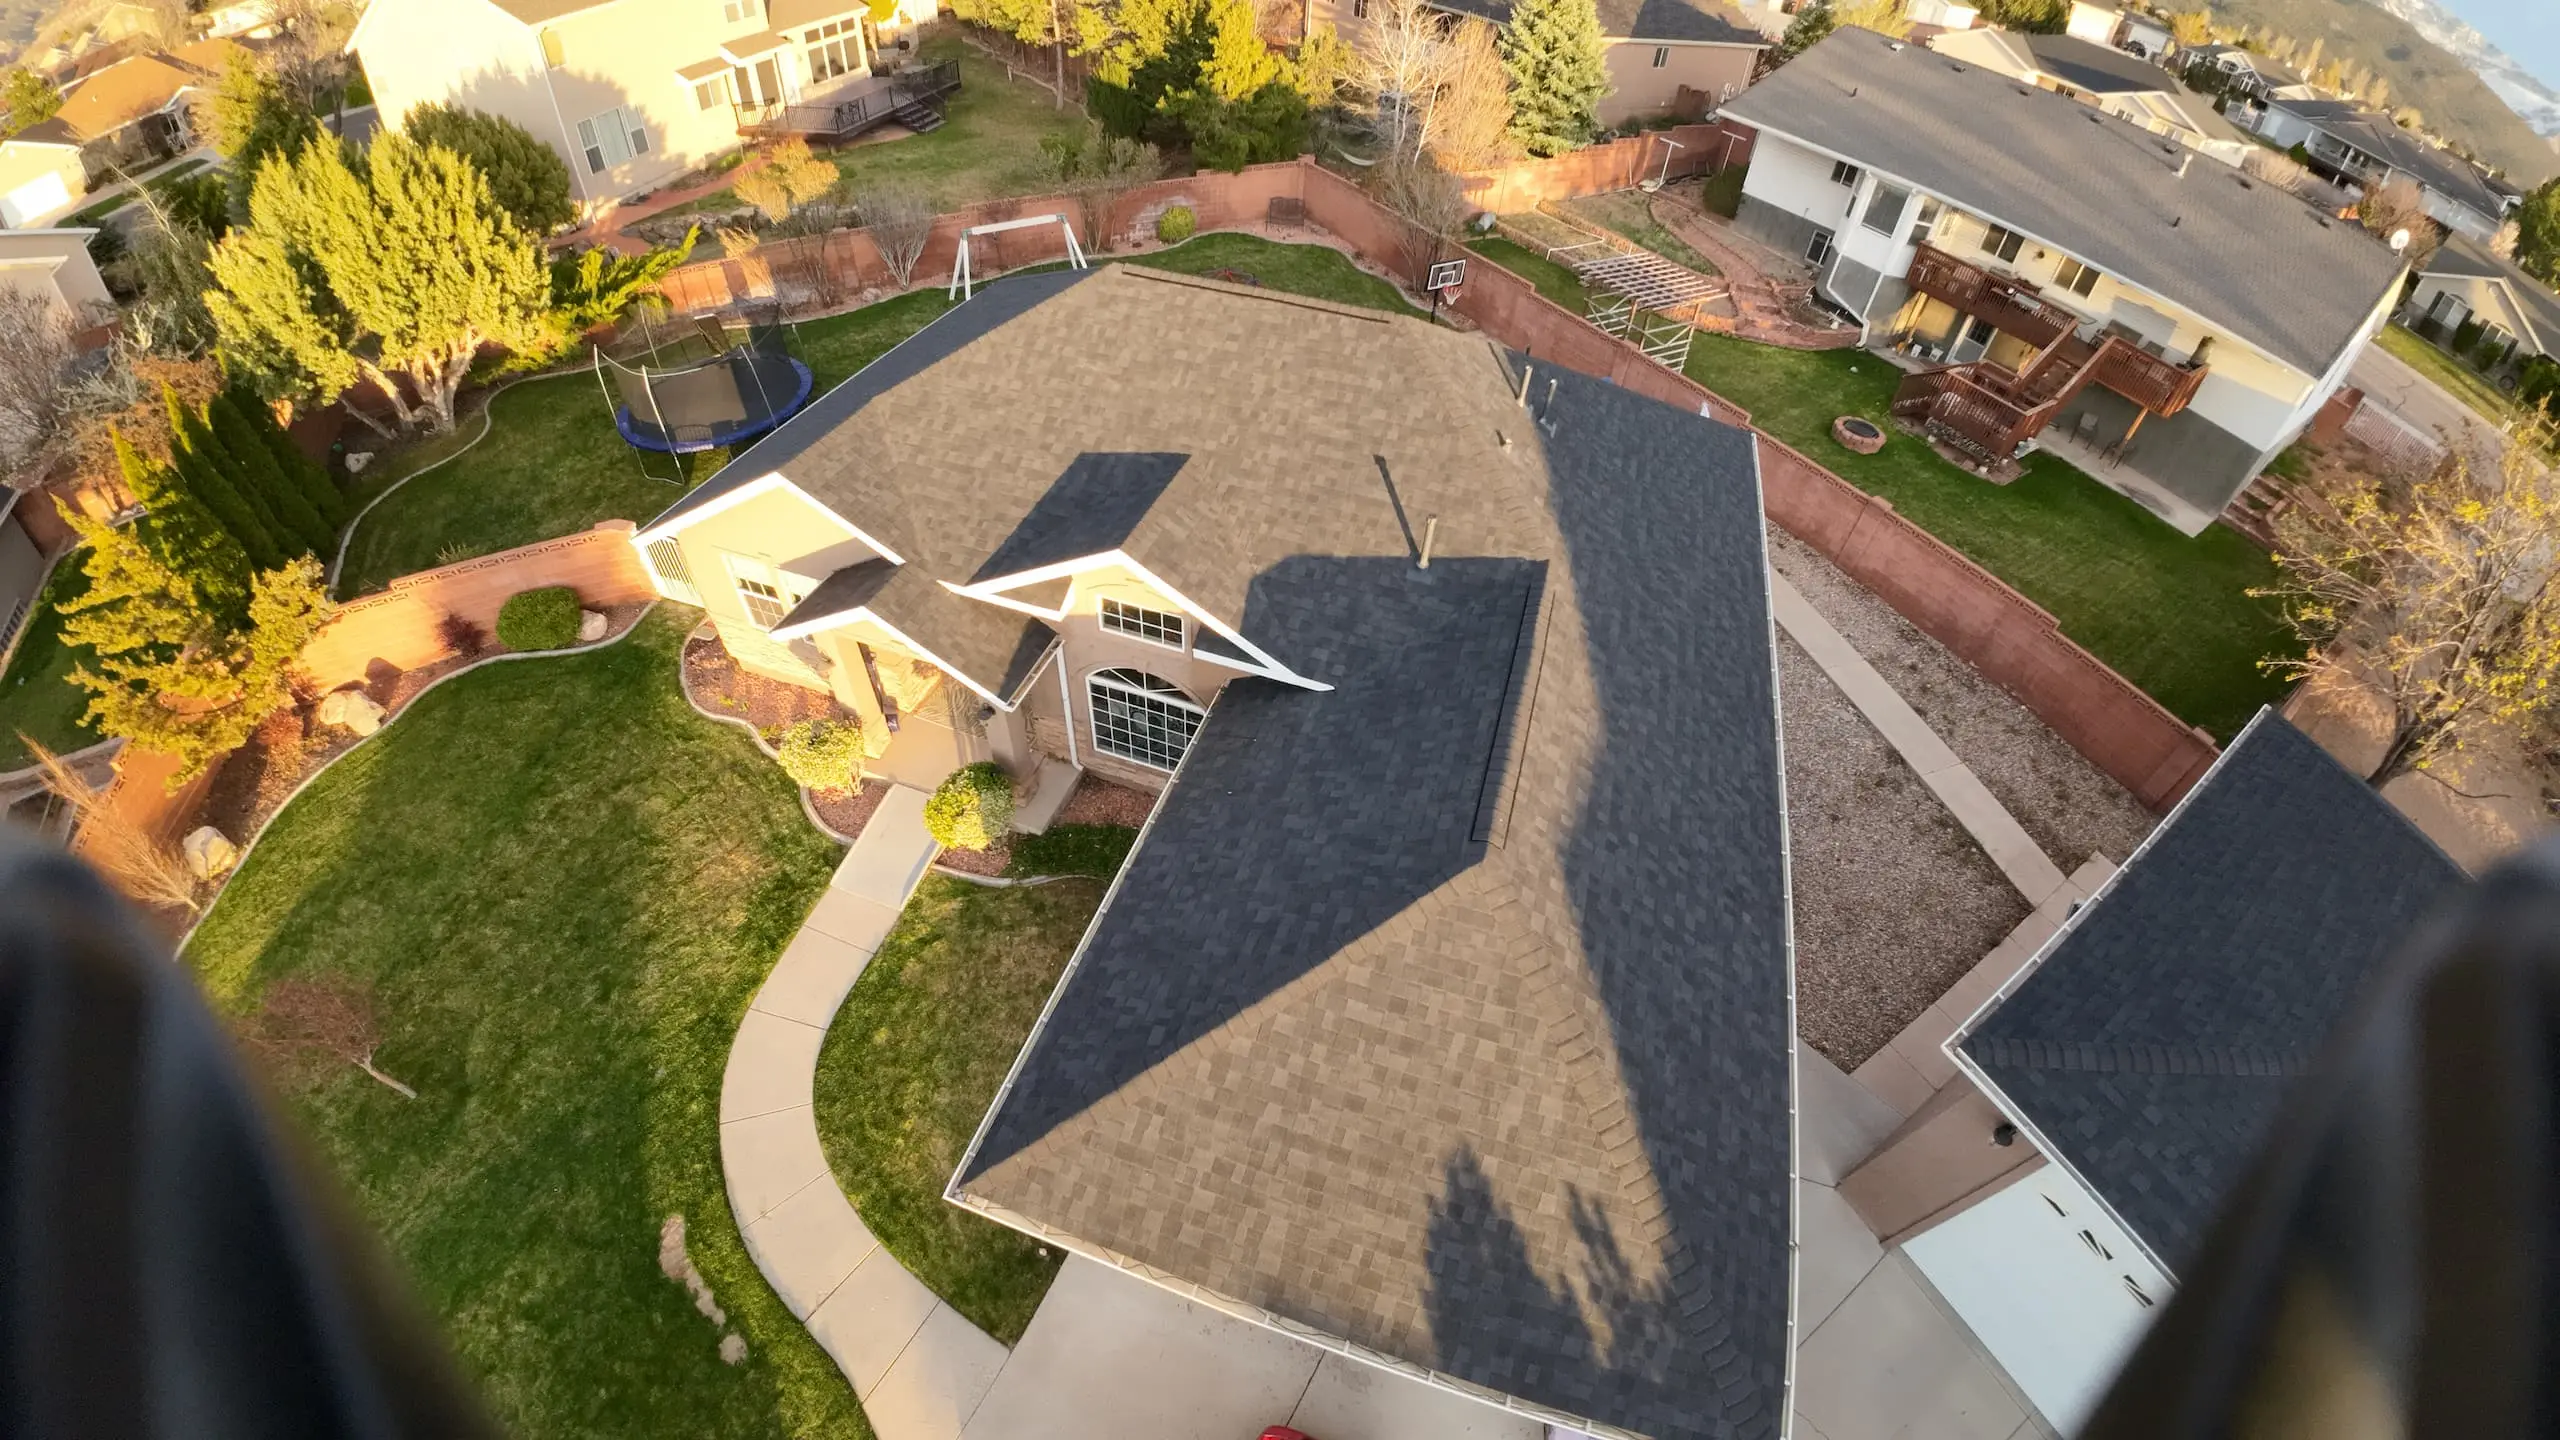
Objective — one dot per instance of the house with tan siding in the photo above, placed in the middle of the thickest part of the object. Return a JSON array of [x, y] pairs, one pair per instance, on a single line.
[[1656, 49], [1456, 947], [632, 93]]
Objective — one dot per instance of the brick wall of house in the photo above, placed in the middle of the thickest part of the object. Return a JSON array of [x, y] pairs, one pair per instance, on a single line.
[[398, 626]]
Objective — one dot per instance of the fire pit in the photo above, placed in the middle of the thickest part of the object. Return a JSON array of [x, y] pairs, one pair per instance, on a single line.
[[1857, 434]]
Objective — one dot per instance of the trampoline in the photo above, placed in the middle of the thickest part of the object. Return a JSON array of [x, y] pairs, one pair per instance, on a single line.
[[685, 386]]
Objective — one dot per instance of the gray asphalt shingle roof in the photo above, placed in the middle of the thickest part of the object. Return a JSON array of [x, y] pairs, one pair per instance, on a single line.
[[2462, 256], [2244, 255], [1695, 20], [2380, 136], [2155, 1037]]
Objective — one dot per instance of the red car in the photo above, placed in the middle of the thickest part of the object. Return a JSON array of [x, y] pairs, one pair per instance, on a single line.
[[1283, 1432]]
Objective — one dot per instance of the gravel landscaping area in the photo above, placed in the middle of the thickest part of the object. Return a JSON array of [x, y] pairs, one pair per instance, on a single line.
[[1893, 900], [2067, 805]]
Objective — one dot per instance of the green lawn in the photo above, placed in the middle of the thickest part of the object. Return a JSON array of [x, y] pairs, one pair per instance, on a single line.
[[1073, 850], [2458, 379], [37, 697], [561, 886], [1556, 282], [988, 146], [553, 464], [2170, 613], [912, 1062], [1629, 213]]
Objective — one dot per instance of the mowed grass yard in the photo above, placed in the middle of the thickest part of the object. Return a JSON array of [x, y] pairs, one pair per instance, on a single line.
[[2171, 614], [561, 887], [2449, 372], [552, 464], [913, 1060], [37, 699]]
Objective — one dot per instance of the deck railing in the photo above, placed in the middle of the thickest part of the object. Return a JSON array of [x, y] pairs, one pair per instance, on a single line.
[[859, 107], [2009, 306]]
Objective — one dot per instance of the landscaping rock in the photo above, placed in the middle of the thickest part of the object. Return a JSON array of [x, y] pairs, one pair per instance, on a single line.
[[210, 853], [591, 626], [357, 460], [352, 708]]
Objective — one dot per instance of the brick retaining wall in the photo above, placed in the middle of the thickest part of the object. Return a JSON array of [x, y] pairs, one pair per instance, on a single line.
[[398, 626]]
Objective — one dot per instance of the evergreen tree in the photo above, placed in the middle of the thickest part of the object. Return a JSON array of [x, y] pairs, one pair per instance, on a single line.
[[202, 697], [2538, 233], [254, 120], [223, 436], [184, 536], [1813, 24], [304, 473], [27, 98], [1239, 64], [134, 602], [526, 177], [260, 533], [1553, 53]]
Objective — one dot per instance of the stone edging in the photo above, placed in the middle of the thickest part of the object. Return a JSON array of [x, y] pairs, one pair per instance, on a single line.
[[249, 844], [685, 688]]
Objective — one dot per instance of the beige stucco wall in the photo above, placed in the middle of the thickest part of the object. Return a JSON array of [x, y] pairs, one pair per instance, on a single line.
[[801, 540], [56, 263], [22, 165], [1638, 87], [456, 52]]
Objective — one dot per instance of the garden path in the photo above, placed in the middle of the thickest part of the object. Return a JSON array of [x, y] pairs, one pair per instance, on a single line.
[[919, 1367]]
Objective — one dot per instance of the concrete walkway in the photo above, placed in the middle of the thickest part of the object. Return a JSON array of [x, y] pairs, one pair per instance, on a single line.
[[1956, 786], [918, 1366]]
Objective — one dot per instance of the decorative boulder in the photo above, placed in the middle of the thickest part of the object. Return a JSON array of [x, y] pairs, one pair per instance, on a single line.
[[352, 708], [591, 626], [210, 853], [357, 460]]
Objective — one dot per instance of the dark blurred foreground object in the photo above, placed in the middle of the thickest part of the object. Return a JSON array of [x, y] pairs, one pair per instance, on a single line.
[[2387, 1266], [169, 1264]]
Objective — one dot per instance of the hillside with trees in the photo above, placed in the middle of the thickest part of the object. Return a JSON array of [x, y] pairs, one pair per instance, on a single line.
[[2454, 104]]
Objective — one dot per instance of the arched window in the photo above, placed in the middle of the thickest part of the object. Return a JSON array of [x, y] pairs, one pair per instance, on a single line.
[[1139, 717]]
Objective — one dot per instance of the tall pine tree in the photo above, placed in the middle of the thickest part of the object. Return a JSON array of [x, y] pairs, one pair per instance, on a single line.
[[1553, 53], [135, 601], [259, 532], [306, 475], [182, 534], [252, 471]]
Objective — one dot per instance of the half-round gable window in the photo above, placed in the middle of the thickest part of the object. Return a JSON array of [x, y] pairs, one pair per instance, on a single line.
[[1141, 717]]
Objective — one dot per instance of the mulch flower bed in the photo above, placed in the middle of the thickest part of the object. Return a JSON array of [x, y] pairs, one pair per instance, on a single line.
[[1105, 802], [256, 779], [847, 811], [769, 705], [991, 861]]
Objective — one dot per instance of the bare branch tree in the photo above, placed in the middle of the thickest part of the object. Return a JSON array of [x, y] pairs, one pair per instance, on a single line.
[[900, 220], [1398, 61], [2399, 205], [2439, 601], [299, 1021], [1470, 119], [131, 857], [1431, 202], [38, 343]]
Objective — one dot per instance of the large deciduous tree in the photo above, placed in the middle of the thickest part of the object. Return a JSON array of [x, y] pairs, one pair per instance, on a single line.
[[1552, 50], [398, 275], [2439, 599], [527, 178], [2538, 232], [2398, 205]]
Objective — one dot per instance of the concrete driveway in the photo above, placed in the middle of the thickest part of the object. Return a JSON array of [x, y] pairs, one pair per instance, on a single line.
[[1110, 1357], [2388, 380]]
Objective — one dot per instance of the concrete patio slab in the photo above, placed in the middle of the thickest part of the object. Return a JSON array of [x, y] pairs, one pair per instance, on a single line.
[[767, 1158], [1839, 1122], [812, 1241], [1350, 1401], [886, 870], [1834, 1253], [937, 1382], [1892, 1363], [857, 920], [811, 979], [772, 1065], [871, 1318]]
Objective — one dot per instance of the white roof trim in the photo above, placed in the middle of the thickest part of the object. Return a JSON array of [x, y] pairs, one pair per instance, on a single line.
[[1262, 661], [762, 485]]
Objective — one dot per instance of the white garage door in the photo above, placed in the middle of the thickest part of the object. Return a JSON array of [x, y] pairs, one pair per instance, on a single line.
[[40, 196], [2051, 1286]]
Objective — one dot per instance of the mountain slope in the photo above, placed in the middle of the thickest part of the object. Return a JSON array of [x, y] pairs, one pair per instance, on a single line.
[[2524, 92], [2456, 102]]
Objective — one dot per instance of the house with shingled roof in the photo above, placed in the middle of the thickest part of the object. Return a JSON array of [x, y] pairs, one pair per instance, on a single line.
[[2113, 1091], [1442, 1016]]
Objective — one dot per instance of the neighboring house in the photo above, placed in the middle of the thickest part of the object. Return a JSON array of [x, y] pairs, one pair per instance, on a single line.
[[2088, 278], [2466, 284], [2110, 79], [2110, 1094], [145, 108], [1655, 48], [1441, 1017], [2093, 22], [2140, 34], [255, 18], [22, 566], [2359, 148], [57, 265], [41, 174], [632, 93], [1941, 14], [2250, 79]]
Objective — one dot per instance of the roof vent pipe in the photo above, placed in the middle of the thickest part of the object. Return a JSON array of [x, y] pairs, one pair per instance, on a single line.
[[2185, 158], [1524, 387], [1430, 536]]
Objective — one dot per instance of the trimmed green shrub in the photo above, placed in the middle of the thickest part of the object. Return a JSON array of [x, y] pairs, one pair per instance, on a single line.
[[1176, 224], [545, 619], [2538, 386], [2466, 335], [1095, 850], [971, 808], [823, 754]]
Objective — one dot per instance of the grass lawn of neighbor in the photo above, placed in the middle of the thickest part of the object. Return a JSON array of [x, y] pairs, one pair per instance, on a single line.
[[2446, 369], [1555, 281], [988, 146], [1629, 213], [561, 887], [37, 697], [553, 464], [2170, 613], [918, 1051]]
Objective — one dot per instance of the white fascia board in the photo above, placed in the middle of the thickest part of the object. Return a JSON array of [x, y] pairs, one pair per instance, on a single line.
[[1270, 663], [760, 486], [989, 589], [842, 618], [1262, 663], [1008, 602]]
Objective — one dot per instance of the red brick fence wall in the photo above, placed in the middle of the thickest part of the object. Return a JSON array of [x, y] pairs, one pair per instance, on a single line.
[[398, 626]]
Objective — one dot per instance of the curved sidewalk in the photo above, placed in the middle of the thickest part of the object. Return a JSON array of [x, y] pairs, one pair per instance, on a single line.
[[919, 1367]]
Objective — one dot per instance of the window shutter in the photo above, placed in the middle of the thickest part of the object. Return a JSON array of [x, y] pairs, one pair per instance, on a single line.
[[587, 142]]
